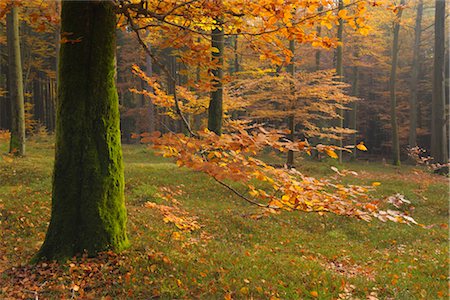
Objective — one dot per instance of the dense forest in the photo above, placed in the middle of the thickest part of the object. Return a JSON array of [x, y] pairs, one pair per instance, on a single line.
[[363, 59], [335, 107]]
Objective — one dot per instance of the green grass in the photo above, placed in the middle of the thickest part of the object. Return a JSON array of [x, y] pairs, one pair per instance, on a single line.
[[284, 256]]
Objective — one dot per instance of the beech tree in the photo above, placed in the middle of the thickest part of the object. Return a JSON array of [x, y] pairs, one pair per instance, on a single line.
[[88, 209], [17, 141], [415, 77], [438, 126], [392, 87]]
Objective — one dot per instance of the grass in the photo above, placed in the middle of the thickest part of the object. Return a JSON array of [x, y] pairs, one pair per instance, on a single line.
[[291, 255]]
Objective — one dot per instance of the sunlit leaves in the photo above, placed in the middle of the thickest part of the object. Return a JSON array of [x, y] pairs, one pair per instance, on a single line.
[[232, 157]]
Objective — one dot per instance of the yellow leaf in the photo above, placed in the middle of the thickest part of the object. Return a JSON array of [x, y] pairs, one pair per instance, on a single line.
[[361, 147], [376, 183], [331, 153], [254, 193], [285, 198], [342, 14], [315, 294], [244, 290]]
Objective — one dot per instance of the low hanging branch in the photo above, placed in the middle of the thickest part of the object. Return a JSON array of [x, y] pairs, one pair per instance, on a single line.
[[231, 157]]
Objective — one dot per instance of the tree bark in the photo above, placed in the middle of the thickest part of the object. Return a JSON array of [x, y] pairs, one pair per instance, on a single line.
[[412, 139], [151, 106], [318, 52], [17, 141], [88, 208], [354, 112], [215, 110], [392, 89], [291, 118], [340, 71], [438, 125], [236, 55]]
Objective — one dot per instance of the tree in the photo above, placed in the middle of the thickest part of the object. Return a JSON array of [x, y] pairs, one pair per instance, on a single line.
[[438, 126], [392, 87], [17, 141], [291, 118], [215, 110], [88, 209], [340, 68], [415, 77]]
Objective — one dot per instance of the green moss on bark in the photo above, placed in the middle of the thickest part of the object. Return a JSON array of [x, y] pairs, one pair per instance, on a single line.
[[88, 208]]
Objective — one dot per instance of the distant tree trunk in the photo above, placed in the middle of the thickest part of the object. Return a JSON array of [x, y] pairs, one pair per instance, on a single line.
[[392, 89], [17, 142], [340, 71], [354, 113], [415, 77], [88, 208], [215, 110], [151, 106], [291, 118], [236, 55], [198, 117], [318, 52], [438, 125], [5, 104]]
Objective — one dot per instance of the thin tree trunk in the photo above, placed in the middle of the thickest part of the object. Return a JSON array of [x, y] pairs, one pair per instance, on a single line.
[[340, 72], [88, 208], [236, 55], [215, 110], [438, 125], [291, 118], [151, 106], [415, 78], [392, 89], [354, 111], [318, 52], [17, 142]]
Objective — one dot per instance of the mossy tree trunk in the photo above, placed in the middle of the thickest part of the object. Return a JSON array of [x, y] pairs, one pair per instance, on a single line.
[[291, 118], [439, 142], [215, 110], [17, 142], [393, 90], [88, 208]]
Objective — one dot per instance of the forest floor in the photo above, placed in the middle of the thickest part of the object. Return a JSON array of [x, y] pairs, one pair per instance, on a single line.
[[232, 250]]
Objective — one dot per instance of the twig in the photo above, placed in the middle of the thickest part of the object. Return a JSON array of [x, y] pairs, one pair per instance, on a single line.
[[239, 194], [163, 67]]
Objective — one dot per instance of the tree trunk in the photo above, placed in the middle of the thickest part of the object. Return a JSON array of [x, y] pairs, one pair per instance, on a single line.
[[17, 142], [438, 126], [215, 110], [415, 78], [353, 112], [291, 118], [392, 89], [340, 72], [151, 106], [236, 55], [88, 208], [318, 52]]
